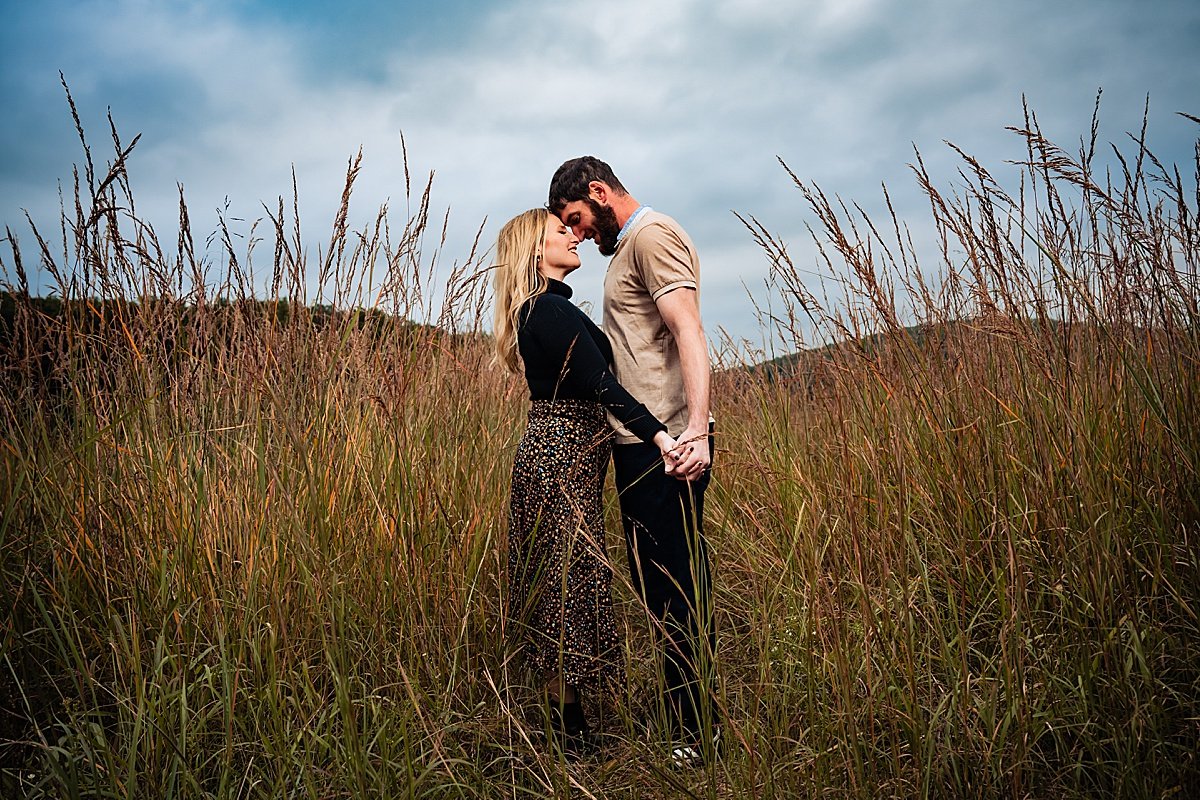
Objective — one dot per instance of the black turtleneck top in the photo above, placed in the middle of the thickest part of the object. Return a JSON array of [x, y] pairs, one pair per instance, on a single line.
[[567, 357]]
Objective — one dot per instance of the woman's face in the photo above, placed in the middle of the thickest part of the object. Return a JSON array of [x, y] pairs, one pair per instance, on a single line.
[[558, 254]]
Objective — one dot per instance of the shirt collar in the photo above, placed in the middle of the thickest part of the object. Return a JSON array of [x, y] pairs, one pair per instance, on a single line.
[[629, 223], [558, 287]]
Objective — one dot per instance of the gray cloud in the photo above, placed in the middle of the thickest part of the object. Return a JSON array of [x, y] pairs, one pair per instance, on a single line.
[[690, 101]]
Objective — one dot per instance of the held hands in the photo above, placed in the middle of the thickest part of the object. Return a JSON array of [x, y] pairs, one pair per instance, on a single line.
[[665, 446], [690, 457]]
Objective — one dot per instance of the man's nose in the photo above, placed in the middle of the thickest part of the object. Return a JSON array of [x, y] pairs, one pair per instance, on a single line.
[[577, 232]]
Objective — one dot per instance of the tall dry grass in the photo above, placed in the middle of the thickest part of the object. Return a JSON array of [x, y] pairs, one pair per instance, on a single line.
[[252, 532]]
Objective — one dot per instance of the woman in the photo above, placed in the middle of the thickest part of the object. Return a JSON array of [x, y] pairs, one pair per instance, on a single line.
[[559, 602]]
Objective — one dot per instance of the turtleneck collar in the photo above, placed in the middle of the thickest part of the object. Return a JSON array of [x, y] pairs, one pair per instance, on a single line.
[[558, 287]]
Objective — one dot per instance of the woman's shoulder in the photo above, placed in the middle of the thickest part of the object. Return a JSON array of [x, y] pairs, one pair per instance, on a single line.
[[548, 303], [548, 312]]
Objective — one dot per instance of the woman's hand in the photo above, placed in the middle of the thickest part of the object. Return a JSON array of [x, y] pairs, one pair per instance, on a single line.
[[666, 446]]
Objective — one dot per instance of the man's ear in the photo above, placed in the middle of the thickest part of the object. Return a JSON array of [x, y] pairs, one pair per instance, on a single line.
[[598, 191]]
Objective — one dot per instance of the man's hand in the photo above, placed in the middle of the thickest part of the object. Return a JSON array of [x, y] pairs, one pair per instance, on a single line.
[[692, 457], [681, 314]]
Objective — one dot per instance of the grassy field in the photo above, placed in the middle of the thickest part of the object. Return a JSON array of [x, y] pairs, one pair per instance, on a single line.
[[252, 548]]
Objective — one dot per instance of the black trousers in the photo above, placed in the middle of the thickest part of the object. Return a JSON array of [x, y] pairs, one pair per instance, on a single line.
[[663, 518]]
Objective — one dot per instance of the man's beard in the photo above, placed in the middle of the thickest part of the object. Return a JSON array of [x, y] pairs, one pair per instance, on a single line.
[[604, 220]]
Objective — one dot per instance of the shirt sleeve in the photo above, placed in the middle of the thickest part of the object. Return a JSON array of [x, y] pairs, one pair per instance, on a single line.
[[663, 260], [556, 325]]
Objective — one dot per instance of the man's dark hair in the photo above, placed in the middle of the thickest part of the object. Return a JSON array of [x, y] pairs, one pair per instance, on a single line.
[[570, 181]]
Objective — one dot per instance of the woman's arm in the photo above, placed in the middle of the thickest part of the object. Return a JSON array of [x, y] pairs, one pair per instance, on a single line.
[[559, 330]]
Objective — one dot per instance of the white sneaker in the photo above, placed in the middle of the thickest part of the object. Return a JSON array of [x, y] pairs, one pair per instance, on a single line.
[[687, 756]]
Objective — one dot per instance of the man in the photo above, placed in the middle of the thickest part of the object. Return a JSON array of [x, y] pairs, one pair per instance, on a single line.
[[652, 316]]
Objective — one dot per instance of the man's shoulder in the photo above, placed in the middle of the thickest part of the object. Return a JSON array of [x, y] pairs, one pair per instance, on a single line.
[[659, 230], [656, 222], [661, 237]]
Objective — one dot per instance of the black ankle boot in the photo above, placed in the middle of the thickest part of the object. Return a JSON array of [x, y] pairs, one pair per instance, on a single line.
[[571, 728]]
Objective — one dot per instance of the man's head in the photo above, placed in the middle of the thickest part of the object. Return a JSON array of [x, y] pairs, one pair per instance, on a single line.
[[582, 192]]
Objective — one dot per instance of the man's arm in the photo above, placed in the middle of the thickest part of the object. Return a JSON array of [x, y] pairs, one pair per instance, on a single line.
[[681, 313]]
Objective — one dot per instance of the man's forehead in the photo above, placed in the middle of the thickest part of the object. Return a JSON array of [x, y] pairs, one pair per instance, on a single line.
[[572, 209]]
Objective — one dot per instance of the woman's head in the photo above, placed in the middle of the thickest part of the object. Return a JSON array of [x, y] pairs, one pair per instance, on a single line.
[[531, 247], [559, 250]]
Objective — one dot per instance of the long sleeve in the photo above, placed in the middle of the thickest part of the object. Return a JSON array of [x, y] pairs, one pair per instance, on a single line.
[[560, 350]]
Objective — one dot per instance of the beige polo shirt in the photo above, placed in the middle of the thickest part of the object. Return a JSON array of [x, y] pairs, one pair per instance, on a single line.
[[654, 257]]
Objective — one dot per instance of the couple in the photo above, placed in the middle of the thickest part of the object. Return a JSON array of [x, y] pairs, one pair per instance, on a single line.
[[559, 604]]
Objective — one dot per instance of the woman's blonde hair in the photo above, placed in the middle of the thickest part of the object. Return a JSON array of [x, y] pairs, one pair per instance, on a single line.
[[518, 249]]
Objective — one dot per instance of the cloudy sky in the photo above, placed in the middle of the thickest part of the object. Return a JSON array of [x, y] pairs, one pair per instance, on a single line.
[[691, 102]]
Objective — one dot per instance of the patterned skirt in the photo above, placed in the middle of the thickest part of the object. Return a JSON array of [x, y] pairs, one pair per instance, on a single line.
[[560, 608]]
